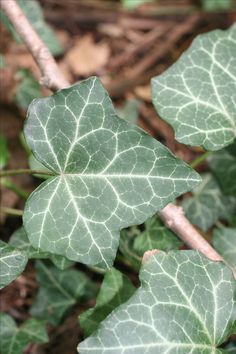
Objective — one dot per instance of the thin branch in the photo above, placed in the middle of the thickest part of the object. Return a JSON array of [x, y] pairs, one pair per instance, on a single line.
[[172, 215], [11, 211], [200, 159], [24, 171], [51, 75], [174, 218]]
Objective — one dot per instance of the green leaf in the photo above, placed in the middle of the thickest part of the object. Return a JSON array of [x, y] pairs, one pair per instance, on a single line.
[[34, 14], [184, 305], [109, 174], [15, 339], [196, 96], [155, 236], [129, 111], [231, 348], [216, 5], [223, 166], [208, 204], [126, 247], [132, 4], [115, 290], [58, 292], [224, 240], [20, 241], [4, 157], [12, 263], [27, 90], [37, 166]]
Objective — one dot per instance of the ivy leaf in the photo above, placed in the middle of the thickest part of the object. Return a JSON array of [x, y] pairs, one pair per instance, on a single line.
[[27, 90], [216, 5], [231, 348], [126, 247], [224, 240], [12, 263], [109, 174], [155, 236], [20, 241], [115, 290], [197, 94], [184, 305], [208, 204], [129, 111], [58, 292], [14, 339], [223, 166]]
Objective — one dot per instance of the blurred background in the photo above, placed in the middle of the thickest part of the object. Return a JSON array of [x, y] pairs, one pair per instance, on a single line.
[[125, 43]]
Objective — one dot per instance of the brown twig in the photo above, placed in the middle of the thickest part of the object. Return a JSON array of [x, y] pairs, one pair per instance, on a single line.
[[51, 75], [174, 218], [172, 215]]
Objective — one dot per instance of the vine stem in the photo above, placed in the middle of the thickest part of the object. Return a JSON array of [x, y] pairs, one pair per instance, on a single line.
[[11, 211], [172, 215], [200, 159], [52, 77], [25, 171]]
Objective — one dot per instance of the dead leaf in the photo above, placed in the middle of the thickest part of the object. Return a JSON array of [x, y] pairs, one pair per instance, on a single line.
[[87, 57]]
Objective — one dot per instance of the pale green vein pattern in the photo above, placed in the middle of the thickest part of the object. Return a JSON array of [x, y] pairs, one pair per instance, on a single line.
[[20, 241], [109, 174], [12, 263], [197, 94], [208, 204], [116, 288], [224, 240], [14, 339], [184, 306]]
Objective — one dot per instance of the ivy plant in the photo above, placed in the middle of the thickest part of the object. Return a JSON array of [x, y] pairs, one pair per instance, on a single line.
[[104, 176]]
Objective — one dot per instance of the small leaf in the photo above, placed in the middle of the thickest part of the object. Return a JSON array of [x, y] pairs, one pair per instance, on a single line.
[[208, 204], [27, 90], [223, 166], [109, 174], [185, 305], [126, 247], [132, 4], [4, 157], [129, 111], [58, 292], [12, 263], [231, 348], [20, 241], [155, 236], [216, 5], [224, 240], [197, 94], [115, 290], [15, 339]]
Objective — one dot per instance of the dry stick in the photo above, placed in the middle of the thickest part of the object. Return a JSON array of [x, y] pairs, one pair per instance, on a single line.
[[172, 215], [51, 75]]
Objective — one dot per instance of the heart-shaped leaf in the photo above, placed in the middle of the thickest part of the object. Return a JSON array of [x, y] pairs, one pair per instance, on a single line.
[[185, 305], [155, 236], [116, 288], [208, 204], [223, 166], [197, 94], [58, 292], [12, 263], [109, 174], [14, 339], [224, 240]]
